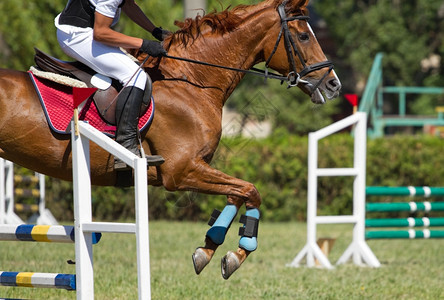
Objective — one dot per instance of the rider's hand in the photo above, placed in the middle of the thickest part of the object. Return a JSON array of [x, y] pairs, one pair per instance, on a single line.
[[160, 33], [153, 48]]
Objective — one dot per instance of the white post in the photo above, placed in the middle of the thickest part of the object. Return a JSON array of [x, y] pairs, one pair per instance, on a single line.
[[142, 230], [311, 251], [42, 202], [10, 216], [82, 214], [360, 155], [2, 192], [44, 215], [9, 194], [312, 188]]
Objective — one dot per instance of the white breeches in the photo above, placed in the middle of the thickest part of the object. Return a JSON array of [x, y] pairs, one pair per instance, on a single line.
[[106, 60]]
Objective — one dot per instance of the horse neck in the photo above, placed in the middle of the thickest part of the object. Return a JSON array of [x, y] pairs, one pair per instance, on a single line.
[[241, 48]]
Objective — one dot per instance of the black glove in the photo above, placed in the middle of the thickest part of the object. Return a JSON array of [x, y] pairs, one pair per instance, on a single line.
[[160, 33], [153, 48]]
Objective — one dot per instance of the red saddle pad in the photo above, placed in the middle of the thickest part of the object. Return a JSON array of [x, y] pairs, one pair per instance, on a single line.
[[57, 103]]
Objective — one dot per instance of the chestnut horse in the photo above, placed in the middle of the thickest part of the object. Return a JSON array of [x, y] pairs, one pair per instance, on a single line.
[[189, 100]]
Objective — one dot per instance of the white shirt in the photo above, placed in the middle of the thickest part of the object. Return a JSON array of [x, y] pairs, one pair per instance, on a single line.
[[108, 8]]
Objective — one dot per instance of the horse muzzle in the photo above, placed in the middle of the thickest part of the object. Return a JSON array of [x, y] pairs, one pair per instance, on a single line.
[[329, 88]]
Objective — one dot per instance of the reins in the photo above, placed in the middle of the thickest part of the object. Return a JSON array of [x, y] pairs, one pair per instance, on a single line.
[[254, 71]]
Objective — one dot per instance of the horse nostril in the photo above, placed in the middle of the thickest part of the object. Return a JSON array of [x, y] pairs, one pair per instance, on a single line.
[[334, 84]]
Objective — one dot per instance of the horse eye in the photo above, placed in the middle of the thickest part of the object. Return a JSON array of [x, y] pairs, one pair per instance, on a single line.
[[304, 36]]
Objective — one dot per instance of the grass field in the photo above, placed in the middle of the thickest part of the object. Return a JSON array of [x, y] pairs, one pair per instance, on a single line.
[[411, 269]]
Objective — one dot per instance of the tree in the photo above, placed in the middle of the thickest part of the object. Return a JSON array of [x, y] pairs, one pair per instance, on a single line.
[[406, 31], [24, 25]]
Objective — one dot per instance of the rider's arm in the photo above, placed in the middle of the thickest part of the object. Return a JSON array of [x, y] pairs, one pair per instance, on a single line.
[[105, 34], [133, 11]]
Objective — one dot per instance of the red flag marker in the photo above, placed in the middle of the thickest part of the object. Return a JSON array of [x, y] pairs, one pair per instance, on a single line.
[[81, 94], [352, 98]]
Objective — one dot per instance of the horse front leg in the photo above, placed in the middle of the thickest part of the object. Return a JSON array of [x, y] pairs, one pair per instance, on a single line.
[[220, 222], [247, 243], [202, 178]]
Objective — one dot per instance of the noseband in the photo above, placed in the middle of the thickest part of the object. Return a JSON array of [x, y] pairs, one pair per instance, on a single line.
[[294, 77]]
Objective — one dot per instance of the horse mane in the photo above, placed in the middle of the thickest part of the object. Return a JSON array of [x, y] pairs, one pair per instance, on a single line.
[[219, 22]]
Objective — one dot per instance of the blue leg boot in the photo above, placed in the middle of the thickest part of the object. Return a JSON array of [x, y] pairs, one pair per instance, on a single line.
[[248, 232], [215, 236], [247, 243]]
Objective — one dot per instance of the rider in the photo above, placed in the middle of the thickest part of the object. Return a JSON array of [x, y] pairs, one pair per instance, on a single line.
[[84, 32]]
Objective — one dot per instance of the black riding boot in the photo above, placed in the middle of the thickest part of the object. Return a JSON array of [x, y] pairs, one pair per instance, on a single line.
[[127, 120]]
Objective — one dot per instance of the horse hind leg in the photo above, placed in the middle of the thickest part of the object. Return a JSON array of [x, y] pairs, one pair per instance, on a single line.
[[220, 222]]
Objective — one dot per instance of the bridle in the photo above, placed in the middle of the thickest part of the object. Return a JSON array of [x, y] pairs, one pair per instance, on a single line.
[[294, 77]]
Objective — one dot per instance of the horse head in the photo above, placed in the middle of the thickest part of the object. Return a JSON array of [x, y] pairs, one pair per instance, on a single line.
[[297, 53]]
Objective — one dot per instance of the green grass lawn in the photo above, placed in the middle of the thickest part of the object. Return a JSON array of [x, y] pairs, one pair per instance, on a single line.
[[411, 269]]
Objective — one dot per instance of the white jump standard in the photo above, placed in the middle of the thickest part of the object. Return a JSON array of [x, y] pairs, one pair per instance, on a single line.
[[8, 193], [358, 250]]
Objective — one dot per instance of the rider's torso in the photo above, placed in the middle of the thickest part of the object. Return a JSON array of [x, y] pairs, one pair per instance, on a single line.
[[80, 13]]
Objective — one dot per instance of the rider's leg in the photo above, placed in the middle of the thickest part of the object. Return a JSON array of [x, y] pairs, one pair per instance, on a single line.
[[104, 59], [127, 118]]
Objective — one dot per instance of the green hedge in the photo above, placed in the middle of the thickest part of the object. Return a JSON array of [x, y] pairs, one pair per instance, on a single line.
[[278, 167]]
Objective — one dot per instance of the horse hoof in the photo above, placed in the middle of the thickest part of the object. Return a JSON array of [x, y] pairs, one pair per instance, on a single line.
[[229, 264], [200, 260]]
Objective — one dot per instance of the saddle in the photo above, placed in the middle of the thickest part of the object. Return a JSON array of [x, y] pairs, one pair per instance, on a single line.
[[103, 98]]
